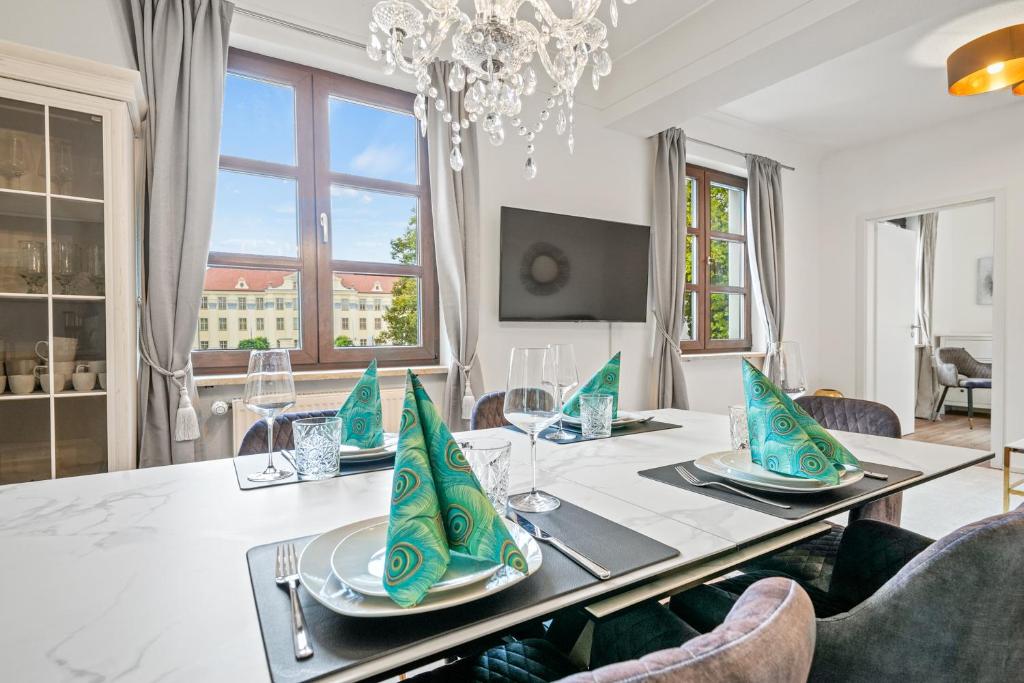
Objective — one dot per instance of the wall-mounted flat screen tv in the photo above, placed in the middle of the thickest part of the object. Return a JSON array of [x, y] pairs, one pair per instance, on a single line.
[[567, 268]]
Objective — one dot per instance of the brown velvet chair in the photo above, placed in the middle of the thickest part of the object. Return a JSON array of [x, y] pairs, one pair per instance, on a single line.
[[488, 412], [255, 439]]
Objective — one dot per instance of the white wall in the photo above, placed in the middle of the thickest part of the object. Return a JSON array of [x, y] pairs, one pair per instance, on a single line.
[[93, 29], [962, 159], [964, 236]]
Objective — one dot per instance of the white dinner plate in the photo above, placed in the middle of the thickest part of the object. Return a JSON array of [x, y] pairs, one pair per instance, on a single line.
[[354, 454], [359, 562], [738, 467], [317, 577], [624, 418]]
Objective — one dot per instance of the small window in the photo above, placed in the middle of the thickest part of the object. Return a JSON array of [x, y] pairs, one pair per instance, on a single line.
[[280, 324], [204, 345], [259, 324], [344, 323], [222, 324], [279, 304], [204, 324], [204, 303], [717, 299], [223, 344], [362, 323], [241, 303], [376, 323], [259, 303], [243, 324]]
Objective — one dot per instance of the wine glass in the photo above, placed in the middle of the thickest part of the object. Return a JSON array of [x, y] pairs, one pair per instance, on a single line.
[[66, 264], [530, 404], [32, 265], [269, 391], [786, 368], [567, 378]]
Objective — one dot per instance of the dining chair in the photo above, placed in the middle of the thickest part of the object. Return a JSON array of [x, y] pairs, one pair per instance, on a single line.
[[255, 439], [957, 368], [488, 412], [767, 636], [902, 607]]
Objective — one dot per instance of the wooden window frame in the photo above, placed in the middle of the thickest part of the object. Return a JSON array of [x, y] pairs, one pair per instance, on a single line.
[[311, 172], [704, 178]]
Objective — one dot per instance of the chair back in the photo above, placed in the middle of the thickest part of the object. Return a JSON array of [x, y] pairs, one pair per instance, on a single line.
[[255, 439], [768, 636], [953, 613], [962, 362], [852, 415], [489, 411]]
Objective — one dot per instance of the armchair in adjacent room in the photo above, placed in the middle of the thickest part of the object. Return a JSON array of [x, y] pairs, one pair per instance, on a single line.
[[958, 369]]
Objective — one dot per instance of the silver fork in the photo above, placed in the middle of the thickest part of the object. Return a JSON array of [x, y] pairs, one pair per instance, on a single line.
[[286, 571], [690, 479]]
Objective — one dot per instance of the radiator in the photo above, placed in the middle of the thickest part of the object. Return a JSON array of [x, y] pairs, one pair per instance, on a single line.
[[391, 408]]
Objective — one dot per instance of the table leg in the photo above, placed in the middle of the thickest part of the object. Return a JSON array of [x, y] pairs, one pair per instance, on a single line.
[[1006, 480]]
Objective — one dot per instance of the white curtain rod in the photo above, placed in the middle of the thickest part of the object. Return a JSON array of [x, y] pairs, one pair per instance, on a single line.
[[729, 149], [259, 16]]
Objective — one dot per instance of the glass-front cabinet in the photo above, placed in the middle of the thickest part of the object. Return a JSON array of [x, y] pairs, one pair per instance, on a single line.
[[67, 283]]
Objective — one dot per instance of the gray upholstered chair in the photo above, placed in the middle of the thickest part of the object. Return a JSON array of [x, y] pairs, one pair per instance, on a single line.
[[255, 439], [767, 636], [960, 370], [901, 607]]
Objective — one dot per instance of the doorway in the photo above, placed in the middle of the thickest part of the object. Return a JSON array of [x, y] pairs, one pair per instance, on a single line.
[[931, 295]]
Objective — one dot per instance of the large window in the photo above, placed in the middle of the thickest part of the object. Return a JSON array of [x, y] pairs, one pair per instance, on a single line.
[[322, 199], [716, 306]]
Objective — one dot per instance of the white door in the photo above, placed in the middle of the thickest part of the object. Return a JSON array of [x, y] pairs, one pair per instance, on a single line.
[[895, 381]]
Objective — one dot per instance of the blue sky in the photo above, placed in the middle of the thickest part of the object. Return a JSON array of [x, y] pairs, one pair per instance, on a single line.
[[257, 214]]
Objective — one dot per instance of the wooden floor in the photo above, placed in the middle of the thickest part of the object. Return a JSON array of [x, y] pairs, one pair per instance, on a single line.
[[953, 430]]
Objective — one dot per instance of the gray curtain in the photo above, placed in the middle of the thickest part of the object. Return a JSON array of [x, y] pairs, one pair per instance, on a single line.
[[181, 49], [927, 382], [765, 238], [668, 266], [455, 200]]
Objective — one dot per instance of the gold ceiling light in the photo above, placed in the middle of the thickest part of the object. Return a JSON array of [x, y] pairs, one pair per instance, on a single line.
[[991, 62]]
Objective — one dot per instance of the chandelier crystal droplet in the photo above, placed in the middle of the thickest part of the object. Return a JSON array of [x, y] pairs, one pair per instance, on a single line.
[[493, 58]]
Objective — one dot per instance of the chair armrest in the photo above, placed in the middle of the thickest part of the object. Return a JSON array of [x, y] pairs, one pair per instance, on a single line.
[[870, 554]]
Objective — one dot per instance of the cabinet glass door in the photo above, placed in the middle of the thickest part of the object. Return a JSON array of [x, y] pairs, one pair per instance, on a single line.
[[53, 308]]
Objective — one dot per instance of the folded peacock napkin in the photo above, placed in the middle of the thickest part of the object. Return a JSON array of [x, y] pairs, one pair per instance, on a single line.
[[437, 506], [784, 438], [361, 421], [605, 381]]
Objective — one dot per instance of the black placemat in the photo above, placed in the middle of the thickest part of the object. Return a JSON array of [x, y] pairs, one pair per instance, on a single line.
[[801, 504], [247, 464], [625, 430], [341, 642]]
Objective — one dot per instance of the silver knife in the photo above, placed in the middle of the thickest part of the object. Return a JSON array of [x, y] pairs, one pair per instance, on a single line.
[[577, 557]]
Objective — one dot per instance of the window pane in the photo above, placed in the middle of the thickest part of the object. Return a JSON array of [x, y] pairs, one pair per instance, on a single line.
[[258, 120], [80, 426], [22, 155], [76, 154], [690, 329], [23, 243], [25, 451], [691, 259], [691, 202], [371, 142], [271, 310], [376, 310], [726, 265], [77, 247], [373, 226], [727, 316], [255, 214], [727, 207]]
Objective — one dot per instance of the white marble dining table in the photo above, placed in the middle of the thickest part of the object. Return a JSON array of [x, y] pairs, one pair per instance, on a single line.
[[141, 575]]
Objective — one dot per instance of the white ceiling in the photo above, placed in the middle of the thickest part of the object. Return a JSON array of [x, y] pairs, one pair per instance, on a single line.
[[882, 89], [831, 72]]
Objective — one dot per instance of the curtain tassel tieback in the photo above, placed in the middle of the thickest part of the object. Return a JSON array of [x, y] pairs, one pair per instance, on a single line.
[[468, 399], [674, 343], [186, 422]]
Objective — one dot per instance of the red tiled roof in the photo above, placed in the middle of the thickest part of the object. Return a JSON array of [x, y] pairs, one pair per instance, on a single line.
[[226, 279]]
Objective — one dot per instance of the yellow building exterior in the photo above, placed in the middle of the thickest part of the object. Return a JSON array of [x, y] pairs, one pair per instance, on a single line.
[[239, 304]]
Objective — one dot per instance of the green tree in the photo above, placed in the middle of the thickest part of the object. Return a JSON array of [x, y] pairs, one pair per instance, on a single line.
[[718, 264], [401, 319], [257, 343], [343, 340]]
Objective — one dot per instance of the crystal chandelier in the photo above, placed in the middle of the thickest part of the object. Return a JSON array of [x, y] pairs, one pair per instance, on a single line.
[[492, 57]]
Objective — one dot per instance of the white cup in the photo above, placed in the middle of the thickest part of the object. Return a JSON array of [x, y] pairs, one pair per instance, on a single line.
[[23, 384], [97, 366], [44, 380], [64, 349], [84, 381], [103, 380], [3, 383]]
